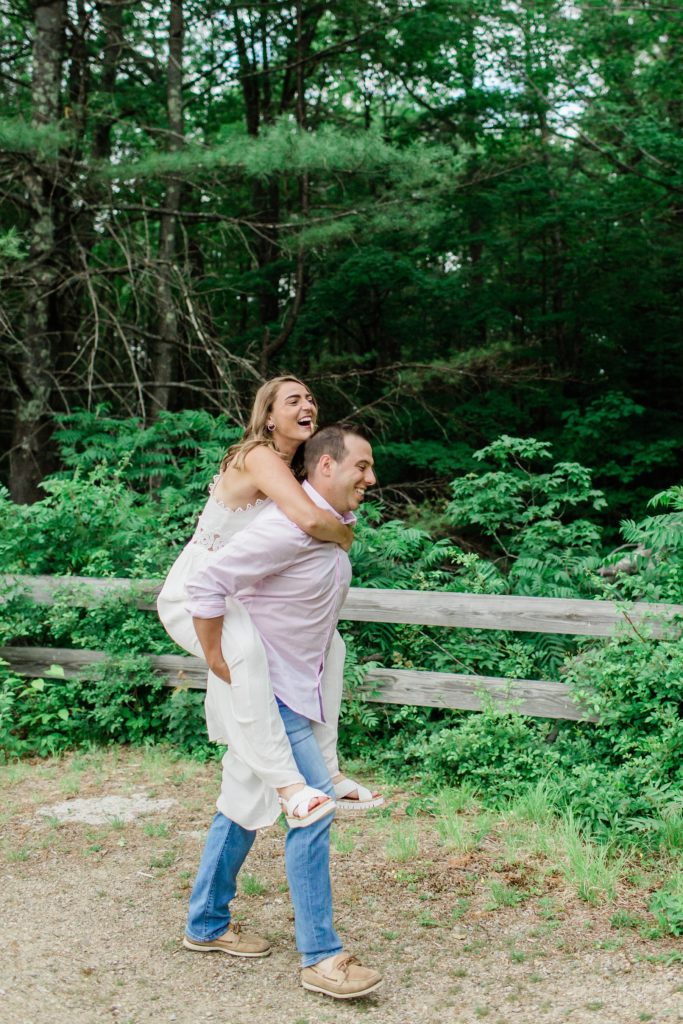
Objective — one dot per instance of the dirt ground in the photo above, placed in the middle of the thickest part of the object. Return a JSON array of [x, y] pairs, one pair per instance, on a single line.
[[92, 916]]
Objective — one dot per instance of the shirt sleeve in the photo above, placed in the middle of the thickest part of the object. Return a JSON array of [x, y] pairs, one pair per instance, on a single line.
[[262, 549]]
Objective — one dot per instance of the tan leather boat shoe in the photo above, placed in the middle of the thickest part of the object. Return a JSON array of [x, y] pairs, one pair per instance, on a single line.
[[234, 941], [342, 977]]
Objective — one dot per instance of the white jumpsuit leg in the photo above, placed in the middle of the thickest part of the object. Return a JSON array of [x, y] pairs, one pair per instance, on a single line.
[[244, 714], [332, 686]]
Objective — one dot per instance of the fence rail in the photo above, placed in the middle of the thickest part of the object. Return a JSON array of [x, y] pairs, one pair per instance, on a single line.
[[542, 698]]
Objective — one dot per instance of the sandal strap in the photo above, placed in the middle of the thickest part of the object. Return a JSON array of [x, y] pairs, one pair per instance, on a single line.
[[303, 797], [346, 786]]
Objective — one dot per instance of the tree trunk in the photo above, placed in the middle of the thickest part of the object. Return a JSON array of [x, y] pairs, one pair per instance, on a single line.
[[471, 200], [74, 224], [166, 349], [35, 365], [112, 23], [270, 346]]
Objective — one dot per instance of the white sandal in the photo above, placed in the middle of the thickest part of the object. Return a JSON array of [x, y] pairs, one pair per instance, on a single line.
[[365, 798], [303, 798]]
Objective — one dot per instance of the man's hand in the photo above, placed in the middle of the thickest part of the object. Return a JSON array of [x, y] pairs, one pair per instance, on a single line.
[[209, 635], [221, 669]]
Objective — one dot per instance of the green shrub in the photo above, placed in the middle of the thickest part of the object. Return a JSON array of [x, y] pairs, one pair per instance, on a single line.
[[667, 905], [117, 701], [125, 502], [493, 751]]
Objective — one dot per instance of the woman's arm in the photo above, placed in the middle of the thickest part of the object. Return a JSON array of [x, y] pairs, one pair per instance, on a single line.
[[274, 478]]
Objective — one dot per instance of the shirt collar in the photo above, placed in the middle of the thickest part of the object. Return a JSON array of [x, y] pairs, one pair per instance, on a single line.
[[348, 518]]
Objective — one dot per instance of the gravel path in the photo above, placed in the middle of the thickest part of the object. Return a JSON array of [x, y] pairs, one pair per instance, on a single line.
[[92, 915]]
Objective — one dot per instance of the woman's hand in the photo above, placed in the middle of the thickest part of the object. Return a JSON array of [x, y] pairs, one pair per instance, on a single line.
[[273, 477], [346, 541]]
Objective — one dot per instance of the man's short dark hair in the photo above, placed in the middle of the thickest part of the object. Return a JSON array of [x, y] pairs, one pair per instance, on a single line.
[[329, 441]]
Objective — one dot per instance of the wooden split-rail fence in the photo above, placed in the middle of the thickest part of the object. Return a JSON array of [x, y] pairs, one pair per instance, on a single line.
[[541, 698]]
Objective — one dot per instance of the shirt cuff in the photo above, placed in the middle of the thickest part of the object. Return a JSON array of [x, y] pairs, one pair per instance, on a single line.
[[206, 608]]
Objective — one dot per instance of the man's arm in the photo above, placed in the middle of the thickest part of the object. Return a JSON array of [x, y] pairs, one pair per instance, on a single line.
[[209, 635], [261, 550]]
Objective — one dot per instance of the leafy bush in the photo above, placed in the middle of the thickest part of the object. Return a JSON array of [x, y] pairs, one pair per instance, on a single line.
[[532, 517], [495, 751], [126, 501], [118, 701], [667, 905]]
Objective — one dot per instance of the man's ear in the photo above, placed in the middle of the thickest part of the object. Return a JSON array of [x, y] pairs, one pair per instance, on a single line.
[[325, 465]]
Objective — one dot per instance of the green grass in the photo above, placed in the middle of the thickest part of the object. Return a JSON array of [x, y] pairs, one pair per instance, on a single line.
[[456, 833], [52, 820], [403, 843], [70, 785], [18, 856], [14, 773], [501, 895], [590, 868], [535, 804], [343, 841], [459, 833], [625, 919], [156, 828], [251, 885], [164, 860], [548, 908], [453, 799], [668, 830], [667, 905], [462, 905]]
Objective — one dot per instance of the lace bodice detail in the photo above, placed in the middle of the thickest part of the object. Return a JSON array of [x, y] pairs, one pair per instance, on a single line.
[[217, 523]]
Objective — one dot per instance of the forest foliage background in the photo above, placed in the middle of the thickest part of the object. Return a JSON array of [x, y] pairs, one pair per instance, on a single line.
[[460, 222], [453, 218]]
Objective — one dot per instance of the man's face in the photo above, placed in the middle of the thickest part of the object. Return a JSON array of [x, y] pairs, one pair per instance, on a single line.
[[349, 479]]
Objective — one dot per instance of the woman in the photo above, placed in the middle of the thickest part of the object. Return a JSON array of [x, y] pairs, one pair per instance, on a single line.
[[253, 472]]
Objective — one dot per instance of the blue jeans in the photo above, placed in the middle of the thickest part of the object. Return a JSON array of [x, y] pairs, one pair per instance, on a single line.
[[307, 859]]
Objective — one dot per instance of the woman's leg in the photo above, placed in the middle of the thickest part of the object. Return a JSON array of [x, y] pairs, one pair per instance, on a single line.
[[326, 733], [244, 716], [332, 686], [243, 713]]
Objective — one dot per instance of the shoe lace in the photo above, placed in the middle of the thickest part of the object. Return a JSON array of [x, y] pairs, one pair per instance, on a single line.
[[346, 961]]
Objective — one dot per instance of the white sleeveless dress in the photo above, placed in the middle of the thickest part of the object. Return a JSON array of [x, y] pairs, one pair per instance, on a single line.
[[243, 714]]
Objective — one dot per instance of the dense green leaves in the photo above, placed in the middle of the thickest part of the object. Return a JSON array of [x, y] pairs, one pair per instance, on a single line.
[[456, 219], [126, 504]]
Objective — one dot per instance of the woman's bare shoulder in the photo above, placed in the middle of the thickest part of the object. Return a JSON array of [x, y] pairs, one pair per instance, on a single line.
[[261, 455], [234, 488]]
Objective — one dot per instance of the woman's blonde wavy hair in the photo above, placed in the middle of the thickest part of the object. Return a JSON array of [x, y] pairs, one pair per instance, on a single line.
[[256, 431]]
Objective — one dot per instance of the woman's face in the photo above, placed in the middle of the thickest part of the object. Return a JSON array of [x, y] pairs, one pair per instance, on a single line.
[[293, 415]]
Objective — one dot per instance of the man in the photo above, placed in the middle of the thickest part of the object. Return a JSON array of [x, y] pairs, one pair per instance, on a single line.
[[293, 587]]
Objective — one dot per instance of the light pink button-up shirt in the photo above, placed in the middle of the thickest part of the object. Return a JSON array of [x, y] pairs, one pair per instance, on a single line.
[[293, 586]]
